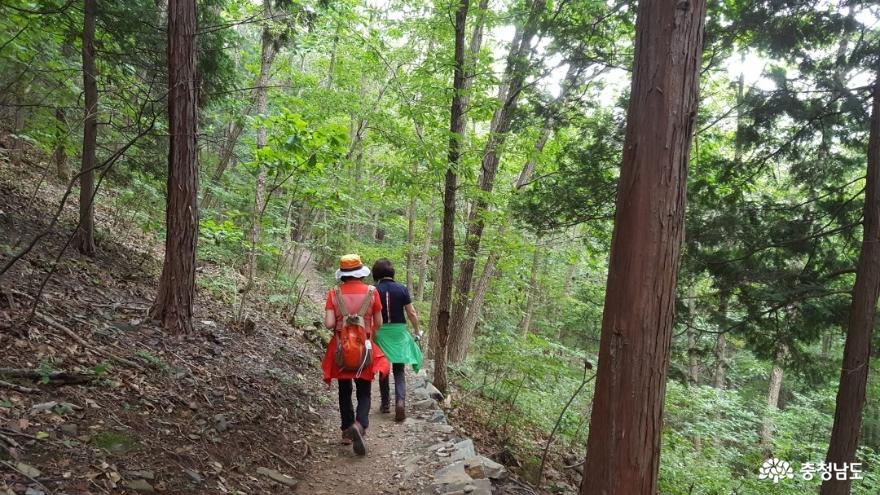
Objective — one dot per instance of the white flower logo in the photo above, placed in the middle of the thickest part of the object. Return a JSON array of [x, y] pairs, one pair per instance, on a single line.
[[776, 469]]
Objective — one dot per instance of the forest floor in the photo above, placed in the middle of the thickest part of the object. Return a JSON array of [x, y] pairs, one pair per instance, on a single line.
[[223, 410]]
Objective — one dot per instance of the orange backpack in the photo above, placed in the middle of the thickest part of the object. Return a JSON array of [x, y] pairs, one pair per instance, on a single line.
[[354, 351]]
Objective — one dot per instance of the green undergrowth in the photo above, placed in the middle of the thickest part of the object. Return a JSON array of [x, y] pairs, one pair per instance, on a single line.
[[517, 388]]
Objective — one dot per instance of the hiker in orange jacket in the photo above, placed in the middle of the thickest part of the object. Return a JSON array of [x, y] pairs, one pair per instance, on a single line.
[[353, 292]]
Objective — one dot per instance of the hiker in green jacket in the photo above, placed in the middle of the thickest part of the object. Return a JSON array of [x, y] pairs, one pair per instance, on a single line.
[[393, 337]]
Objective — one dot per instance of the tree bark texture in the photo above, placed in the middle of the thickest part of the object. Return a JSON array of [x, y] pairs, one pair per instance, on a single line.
[[174, 303], [623, 448], [857, 349], [84, 240], [457, 125]]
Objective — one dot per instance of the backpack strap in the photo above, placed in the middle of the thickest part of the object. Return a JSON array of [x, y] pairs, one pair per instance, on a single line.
[[366, 303], [340, 301]]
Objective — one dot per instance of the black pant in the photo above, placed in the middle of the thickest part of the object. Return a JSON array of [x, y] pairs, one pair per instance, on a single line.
[[399, 384], [363, 402]]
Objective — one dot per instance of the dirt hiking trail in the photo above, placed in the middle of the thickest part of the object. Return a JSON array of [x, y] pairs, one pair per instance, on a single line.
[[96, 399]]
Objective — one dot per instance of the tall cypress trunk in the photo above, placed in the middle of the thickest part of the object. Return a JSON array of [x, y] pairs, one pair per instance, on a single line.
[[84, 240], [623, 449], [457, 125], [857, 350], [174, 302]]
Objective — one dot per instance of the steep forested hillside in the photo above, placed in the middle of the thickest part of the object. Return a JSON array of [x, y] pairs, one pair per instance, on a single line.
[[642, 236]]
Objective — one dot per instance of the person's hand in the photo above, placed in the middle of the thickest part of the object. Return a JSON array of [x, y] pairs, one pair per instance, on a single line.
[[418, 336]]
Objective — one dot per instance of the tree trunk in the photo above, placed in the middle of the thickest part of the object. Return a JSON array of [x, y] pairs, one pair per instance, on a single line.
[[426, 251], [84, 240], [174, 302], [693, 365], [227, 152], [435, 304], [773, 388], [721, 345], [331, 69], [267, 56], [458, 348], [464, 328], [566, 293], [411, 238], [532, 292], [17, 152], [857, 349], [60, 155], [515, 75], [827, 341], [623, 448], [457, 125]]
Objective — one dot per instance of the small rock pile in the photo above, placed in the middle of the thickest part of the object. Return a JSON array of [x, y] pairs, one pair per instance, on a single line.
[[458, 468]]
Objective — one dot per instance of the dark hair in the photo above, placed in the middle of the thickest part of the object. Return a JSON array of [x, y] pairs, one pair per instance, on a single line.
[[382, 269], [346, 278]]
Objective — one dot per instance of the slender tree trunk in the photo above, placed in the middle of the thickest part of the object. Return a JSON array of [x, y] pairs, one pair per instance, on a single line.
[[566, 293], [457, 125], [532, 292], [721, 345], [460, 341], [435, 304], [227, 152], [331, 69], [693, 365], [426, 251], [857, 349], [718, 375], [515, 75], [18, 143], [60, 155], [460, 338], [174, 302], [267, 56], [827, 341], [623, 449], [774, 386], [411, 238], [84, 240]]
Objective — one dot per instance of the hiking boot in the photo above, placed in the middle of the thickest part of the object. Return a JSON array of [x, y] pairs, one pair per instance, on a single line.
[[399, 411], [385, 408], [356, 434]]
